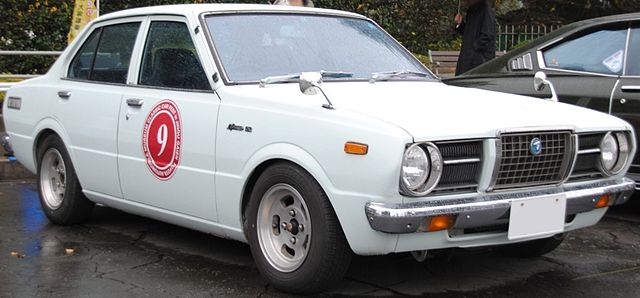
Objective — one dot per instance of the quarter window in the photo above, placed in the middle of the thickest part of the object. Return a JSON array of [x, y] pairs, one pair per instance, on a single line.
[[601, 51], [81, 64], [170, 59], [106, 54], [633, 63]]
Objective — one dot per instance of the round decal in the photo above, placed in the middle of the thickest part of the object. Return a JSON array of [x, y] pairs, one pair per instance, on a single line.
[[162, 139]]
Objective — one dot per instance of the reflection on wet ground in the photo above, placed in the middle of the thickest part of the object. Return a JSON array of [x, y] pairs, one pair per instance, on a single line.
[[122, 255]]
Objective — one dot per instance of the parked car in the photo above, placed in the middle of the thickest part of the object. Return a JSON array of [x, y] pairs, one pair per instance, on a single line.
[[309, 134], [593, 64]]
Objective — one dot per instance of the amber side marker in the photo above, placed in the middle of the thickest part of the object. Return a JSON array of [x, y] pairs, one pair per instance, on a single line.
[[356, 148], [441, 222], [603, 201]]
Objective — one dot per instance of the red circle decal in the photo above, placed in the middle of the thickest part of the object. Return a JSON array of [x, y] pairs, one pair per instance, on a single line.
[[162, 139]]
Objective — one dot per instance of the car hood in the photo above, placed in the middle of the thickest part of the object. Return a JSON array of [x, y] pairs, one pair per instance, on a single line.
[[433, 110]]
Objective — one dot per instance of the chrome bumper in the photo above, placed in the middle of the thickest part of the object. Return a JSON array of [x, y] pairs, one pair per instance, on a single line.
[[5, 142], [635, 177], [484, 210]]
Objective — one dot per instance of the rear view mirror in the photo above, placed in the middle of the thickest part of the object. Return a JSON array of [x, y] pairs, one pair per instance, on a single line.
[[309, 82], [540, 81]]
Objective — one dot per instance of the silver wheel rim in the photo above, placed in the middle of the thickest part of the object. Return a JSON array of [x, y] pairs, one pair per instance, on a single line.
[[284, 228], [53, 178]]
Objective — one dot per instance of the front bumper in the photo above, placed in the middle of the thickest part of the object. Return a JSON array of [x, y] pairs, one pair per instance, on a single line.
[[635, 177], [484, 210]]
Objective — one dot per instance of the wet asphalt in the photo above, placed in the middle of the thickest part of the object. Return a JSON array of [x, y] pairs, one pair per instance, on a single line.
[[122, 255]]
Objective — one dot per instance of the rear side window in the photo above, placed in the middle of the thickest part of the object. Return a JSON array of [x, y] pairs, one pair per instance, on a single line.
[[601, 51], [81, 64], [106, 54], [633, 65], [170, 59]]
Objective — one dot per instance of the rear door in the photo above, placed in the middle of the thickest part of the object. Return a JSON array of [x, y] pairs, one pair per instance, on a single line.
[[88, 102], [168, 118], [585, 67], [625, 102]]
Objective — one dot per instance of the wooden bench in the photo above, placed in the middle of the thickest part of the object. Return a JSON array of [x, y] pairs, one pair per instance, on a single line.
[[444, 62]]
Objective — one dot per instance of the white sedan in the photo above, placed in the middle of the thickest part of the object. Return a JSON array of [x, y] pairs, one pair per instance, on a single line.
[[310, 134]]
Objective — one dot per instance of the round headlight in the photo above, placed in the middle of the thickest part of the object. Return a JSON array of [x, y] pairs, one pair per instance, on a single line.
[[609, 152], [614, 153], [421, 169], [415, 167]]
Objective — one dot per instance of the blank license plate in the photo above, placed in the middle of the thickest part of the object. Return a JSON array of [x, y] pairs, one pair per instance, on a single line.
[[540, 216]]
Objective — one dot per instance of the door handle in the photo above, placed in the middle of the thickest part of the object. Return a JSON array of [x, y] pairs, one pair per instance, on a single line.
[[135, 102], [64, 94], [629, 88]]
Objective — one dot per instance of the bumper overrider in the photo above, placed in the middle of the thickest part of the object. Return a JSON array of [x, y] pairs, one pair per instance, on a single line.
[[486, 210]]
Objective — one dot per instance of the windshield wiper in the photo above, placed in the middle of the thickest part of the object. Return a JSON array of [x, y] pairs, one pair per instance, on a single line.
[[387, 75], [290, 77]]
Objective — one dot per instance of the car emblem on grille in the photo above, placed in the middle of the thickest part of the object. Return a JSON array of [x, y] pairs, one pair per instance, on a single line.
[[536, 146]]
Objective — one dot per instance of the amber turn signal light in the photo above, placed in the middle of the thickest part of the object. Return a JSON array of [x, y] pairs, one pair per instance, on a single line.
[[356, 148], [603, 201], [441, 222]]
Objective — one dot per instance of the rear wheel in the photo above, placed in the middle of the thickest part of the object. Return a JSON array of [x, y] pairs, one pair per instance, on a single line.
[[534, 248], [61, 196], [295, 237]]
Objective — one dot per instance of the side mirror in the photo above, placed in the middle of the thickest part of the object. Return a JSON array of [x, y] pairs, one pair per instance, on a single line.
[[310, 82], [540, 81]]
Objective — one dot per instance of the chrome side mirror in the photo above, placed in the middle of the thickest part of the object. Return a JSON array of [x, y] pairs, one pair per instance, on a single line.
[[310, 82], [540, 81]]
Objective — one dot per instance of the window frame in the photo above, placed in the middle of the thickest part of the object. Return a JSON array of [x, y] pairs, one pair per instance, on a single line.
[[580, 32], [222, 72], [134, 77], [81, 40], [626, 61]]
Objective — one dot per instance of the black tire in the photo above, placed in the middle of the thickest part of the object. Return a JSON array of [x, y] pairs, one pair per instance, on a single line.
[[534, 248], [329, 254], [75, 207]]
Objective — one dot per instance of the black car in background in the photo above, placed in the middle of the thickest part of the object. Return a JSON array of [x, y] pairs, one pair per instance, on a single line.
[[593, 63]]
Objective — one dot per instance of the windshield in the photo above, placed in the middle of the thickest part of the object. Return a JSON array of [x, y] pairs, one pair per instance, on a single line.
[[254, 46]]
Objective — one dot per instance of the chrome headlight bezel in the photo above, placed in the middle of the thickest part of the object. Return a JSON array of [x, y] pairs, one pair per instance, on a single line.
[[434, 173], [622, 143]]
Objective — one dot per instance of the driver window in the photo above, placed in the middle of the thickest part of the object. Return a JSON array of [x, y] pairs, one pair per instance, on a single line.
[[633, 65], [601, 51], [170, 59]]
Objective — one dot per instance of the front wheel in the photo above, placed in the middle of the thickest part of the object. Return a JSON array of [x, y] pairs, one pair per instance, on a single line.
[[294, 234]]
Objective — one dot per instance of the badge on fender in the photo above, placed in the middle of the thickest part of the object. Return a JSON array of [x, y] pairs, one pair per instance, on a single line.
[[162, 139]]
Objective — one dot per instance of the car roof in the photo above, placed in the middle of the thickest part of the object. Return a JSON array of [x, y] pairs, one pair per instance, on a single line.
[[196, 9]]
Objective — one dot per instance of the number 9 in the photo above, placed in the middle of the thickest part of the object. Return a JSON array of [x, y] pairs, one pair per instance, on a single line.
[[161, 137]]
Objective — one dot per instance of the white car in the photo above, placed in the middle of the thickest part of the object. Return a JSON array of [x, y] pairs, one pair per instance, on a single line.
[[310, 134]]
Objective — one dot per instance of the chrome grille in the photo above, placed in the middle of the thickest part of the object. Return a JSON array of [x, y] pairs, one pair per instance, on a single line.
[[518, 167], [586, 164], [461, 165]]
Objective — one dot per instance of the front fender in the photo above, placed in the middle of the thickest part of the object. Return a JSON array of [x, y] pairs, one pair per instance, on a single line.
[[348, 206]]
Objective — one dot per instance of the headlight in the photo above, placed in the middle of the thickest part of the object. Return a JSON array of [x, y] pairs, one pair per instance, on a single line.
[[415, 167], [614, 153], [421, 169]]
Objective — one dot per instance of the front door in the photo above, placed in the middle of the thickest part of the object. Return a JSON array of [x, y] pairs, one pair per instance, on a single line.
[[625, 102], [168, 116], [584, 74]]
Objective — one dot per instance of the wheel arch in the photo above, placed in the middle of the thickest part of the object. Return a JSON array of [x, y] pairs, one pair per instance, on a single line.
[[287, 153], [45, 128]]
